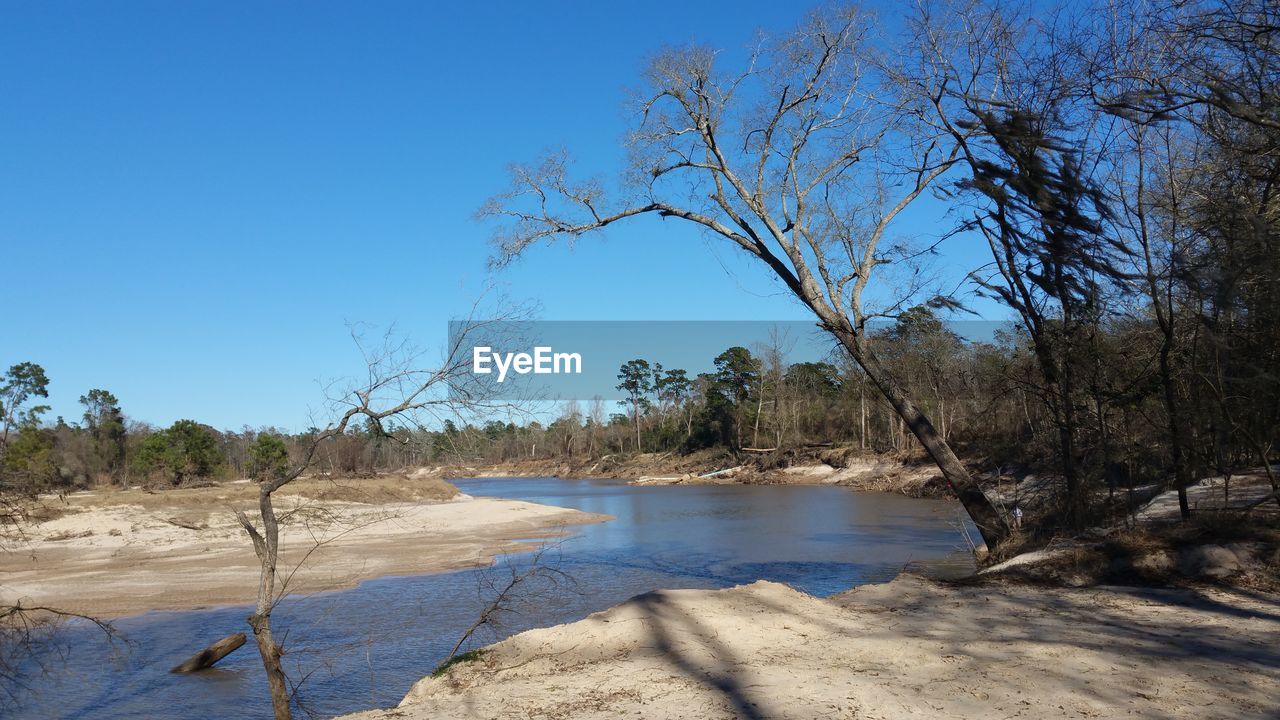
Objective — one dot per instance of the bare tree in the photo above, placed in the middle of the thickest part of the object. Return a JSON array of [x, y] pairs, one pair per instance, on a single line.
[[802, 160], [394, 387], [1148, 161], [1218, 54], [512, 587], [1006, 90], [596, 420]]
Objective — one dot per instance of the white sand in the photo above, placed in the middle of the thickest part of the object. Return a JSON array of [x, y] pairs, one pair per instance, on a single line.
[[1215, 493], [123, 559]]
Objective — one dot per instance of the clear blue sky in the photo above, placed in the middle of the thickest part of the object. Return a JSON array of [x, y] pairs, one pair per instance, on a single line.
[[196, 198]]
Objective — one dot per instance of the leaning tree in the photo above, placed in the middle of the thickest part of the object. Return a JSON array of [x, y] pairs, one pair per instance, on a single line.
[[803, 158]]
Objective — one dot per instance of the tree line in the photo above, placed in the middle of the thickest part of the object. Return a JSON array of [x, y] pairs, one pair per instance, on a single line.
[[106, 448]]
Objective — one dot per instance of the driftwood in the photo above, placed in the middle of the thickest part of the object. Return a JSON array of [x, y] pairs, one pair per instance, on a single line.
[[188, 524], [212, 654]]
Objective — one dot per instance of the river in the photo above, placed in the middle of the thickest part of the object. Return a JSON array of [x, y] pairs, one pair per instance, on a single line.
[[364, 647]]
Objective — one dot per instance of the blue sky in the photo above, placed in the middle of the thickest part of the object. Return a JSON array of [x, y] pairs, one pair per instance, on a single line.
[[197, 198]]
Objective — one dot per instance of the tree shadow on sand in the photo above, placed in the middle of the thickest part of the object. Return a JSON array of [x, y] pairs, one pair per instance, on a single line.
[[666, 623]]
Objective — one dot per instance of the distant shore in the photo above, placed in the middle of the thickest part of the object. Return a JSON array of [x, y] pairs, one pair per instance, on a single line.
[[842, 467]]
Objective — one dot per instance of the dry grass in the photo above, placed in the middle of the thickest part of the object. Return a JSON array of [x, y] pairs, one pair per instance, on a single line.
[[1152, 555], [376, 490]]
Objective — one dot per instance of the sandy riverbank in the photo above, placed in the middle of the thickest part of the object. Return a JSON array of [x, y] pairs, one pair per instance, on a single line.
[[119, 553], [910, 648]]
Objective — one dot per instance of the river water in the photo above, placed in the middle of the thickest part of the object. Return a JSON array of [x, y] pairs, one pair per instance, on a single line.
[[364, 647]]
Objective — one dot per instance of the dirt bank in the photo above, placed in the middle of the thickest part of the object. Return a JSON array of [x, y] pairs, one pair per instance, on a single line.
[[910, 648], [844, 467], [113, 553]]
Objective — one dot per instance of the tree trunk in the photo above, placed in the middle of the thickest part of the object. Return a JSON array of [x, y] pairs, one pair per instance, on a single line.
[[942, 414], [209, 656], [1066, 391], [1067, 446], [975, 502], [1182, 478], [755, 433], [635, 412], [267, 547], [862, 401], [1058, 377], [270, 652]]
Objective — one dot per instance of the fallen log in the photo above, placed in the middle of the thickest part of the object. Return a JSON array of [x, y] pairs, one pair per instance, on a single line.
[[210, 655], [188, 524]]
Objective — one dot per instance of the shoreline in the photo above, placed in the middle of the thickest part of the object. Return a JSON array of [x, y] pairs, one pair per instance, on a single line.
[[908, 648], [861, 472], [124, 554]]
